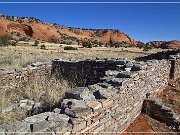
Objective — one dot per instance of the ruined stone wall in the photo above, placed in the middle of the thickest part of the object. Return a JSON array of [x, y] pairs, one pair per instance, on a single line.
[[13, 78], [177, 69], [111, 99], [159, 111], [83, 73], [110, 106]]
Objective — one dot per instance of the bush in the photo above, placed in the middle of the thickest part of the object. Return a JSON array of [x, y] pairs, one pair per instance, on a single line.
[[63, 42], [70, 48], [18, 34], [53, 40], [43, 47], [23, 39], [14, 43], [87, 44], [146, 48], [36, 43], [5, 40]]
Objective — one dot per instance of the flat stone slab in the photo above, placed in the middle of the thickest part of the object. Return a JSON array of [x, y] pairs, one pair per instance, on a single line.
[[78, 112], [137, 67], [95, 105], [120, 62], [116, 81], [77, 93], [106, 102], [78, 124], [111, 73], [126, 74], [50, 116], [73, 103]]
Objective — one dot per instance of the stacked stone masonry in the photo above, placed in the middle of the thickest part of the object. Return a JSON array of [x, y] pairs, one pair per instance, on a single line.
[[108, 97], [159, 111], [14, 78]]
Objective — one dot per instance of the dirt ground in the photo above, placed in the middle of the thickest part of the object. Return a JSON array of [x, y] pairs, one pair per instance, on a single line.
[[145, 125], [171, 96]]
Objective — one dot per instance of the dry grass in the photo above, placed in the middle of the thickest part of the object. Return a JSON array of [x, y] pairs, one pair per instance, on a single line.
[[53, 88], [23, 55], [15, 115]]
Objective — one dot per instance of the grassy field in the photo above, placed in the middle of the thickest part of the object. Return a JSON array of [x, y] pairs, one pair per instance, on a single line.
[[25, 54]]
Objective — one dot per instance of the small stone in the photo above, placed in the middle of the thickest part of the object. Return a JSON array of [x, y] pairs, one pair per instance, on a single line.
[[124, 74], [57, 110], [172, 57], [129, 64], [111, 73], [23, 103], [95, 105], [137, 67], [116, 82], [106, 102], [78, 124], [127, 69], [120, 62]]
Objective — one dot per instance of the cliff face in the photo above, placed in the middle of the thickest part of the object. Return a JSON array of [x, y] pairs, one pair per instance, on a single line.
[[164, 44], [44, 31], [39, 30]]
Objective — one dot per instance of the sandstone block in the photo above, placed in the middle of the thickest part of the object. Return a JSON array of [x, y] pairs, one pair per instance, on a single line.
[[95, 105], [77, 112], [78, 124], [106, 102]]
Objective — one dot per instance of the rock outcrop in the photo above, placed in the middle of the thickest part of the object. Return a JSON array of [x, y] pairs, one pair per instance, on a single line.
[[46, 32], [164, 44]]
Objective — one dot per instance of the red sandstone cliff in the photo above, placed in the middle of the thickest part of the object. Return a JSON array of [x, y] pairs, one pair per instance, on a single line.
[[39, 30], [44, 31], [164, 44]]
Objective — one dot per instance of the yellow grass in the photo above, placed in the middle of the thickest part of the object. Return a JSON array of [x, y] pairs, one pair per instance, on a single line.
[[21, 56], [53, 88]]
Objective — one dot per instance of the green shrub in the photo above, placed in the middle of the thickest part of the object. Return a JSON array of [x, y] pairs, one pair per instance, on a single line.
[[18, 34], [146, 48], [5, 40], [87, 44], [23, 39], [53, 40], [36, 43], [43, 47], [70, 48], [14, 43], [63, 42]]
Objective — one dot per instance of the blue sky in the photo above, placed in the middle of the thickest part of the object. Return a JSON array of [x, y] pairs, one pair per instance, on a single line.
[[142, 22]]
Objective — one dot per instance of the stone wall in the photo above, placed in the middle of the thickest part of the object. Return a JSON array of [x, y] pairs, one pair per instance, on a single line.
[[177, 69], [161, 112], [159, 55], [113, 103], [83, 73], [13, 78], [109, 97]]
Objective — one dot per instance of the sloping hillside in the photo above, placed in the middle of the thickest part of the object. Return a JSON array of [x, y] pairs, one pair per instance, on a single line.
[[39, 30], [164, 44]]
